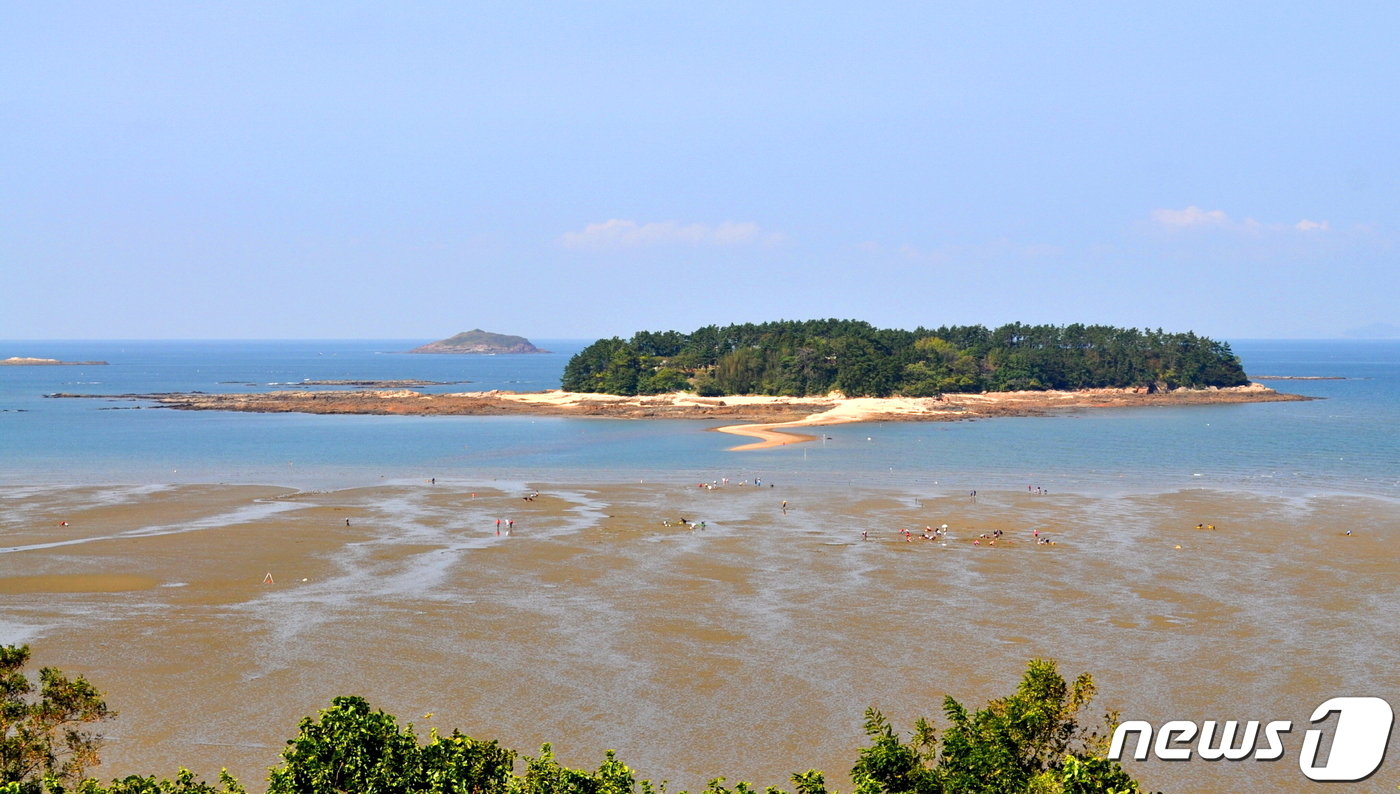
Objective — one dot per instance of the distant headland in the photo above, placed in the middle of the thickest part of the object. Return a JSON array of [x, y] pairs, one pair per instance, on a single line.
[[23, 361], [477, 341]]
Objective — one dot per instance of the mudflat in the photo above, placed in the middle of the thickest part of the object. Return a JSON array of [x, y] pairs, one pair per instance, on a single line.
[[215, 617]]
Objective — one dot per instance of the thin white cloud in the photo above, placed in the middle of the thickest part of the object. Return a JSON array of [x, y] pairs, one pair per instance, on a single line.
[[1191, 217], [1194, 217], [620, 234]]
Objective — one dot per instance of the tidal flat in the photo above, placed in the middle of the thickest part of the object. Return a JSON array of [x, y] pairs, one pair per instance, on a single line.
[[748, 648]]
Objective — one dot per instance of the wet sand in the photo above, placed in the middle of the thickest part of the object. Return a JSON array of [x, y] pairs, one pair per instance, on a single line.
[[748, 649]]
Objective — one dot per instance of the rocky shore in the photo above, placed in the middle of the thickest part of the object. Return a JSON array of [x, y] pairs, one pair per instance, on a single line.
[[25, 361], [810, 410]]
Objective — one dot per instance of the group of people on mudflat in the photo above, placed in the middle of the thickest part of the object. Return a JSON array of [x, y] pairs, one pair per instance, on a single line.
[[940, 533]]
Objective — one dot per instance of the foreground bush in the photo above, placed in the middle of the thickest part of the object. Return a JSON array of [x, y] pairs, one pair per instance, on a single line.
[[41, 729], [1031, 741]]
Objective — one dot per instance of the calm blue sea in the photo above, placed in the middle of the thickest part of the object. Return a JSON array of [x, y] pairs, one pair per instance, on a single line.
[[1347, 442]]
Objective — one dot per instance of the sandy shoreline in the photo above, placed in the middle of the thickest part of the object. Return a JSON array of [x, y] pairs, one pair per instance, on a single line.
[[602, 622], [766, 418]]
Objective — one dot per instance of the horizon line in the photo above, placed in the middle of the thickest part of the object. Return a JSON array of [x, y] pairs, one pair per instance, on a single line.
[[1336, 338]]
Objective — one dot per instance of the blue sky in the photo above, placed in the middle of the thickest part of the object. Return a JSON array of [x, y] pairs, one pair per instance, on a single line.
[[276, 170]]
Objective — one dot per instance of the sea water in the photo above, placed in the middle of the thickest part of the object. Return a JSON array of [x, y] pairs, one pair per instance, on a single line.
[[769, 624], [1346, 442]]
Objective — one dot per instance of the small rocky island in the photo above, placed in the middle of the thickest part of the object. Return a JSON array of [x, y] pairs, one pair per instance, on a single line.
[[24, 361], [479, 342]]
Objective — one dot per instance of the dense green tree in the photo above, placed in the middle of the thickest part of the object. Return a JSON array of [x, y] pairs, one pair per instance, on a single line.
[[739, 371], [42, 733], [184, 783], [863, 369], [665, 343], [584, 371], [663, 380], [348, 749], [1030, 742], [937, 366], [624, 372], [814, 357]]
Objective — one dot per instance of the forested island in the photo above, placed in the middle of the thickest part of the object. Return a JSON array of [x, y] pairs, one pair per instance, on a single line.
[[789, 375], [853, 357]]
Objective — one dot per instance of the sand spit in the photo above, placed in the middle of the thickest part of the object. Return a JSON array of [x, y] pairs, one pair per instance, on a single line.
[[771, 414]]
